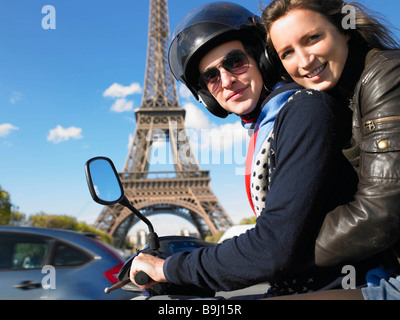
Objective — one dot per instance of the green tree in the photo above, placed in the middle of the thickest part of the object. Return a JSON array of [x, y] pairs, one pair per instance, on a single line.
[[43, 220], [251, 220], [17, 218], [5, 207], [10, 216], [8, 213], [214, 238]]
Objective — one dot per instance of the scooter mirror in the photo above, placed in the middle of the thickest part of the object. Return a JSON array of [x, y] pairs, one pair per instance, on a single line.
[[103, 181], [106, 188]]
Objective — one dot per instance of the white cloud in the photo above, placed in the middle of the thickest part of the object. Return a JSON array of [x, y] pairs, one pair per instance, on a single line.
[[6, 128], [60, 134], [15, 96], [184, 92], [121, 105], [224, 144], [226, 135], [130, 141], [212, 136], [117, 90], [195, 117]]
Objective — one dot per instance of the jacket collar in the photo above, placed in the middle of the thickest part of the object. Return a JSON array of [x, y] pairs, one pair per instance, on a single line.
[[352, 71]]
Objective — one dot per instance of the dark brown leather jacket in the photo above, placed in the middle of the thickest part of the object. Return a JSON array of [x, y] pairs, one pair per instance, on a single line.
[[371, 223]]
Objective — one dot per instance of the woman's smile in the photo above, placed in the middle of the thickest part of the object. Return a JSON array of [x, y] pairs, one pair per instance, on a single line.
[[317, 72]]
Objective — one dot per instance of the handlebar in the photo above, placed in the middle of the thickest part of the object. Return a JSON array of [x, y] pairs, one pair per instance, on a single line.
[[142, 278]]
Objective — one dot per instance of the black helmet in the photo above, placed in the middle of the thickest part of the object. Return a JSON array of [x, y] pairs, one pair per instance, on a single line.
[[205, 28]]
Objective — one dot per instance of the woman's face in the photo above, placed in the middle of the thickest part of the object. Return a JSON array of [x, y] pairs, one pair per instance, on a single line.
[[312, 50], [236, 93]]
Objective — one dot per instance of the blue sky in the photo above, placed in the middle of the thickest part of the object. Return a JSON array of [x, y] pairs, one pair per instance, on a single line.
[[56, 112]]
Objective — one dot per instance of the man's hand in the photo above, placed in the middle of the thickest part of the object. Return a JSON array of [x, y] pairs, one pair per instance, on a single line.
[[149, 264]]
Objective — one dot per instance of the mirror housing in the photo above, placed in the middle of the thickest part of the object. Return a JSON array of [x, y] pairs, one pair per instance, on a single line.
[[106, 188], [104, 184]]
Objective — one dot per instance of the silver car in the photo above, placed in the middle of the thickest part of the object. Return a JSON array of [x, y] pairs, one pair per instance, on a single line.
[[40, 263]]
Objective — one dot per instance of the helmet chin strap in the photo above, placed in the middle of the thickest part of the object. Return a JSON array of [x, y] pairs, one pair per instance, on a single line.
[[253, 114]]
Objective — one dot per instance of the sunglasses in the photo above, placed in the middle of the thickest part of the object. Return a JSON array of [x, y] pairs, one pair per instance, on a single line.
[[236, 62]]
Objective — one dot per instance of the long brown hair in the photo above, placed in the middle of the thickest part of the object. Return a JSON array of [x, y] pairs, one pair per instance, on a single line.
[[370, 30]]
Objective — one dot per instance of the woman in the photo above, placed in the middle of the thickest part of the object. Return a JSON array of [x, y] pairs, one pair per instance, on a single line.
[[295, 171], [359, 65]]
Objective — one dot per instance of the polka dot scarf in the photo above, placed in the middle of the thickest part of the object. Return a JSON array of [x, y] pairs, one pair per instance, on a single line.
[[258, 161]]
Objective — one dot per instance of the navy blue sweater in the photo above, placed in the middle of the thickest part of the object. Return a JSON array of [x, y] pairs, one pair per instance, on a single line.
[[310, 177]]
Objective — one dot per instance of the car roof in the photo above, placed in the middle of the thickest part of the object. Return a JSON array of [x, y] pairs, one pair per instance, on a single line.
[[44, 231], [79, 239]]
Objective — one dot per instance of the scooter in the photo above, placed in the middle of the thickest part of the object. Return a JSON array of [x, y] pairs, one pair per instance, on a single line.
[[106, 188]]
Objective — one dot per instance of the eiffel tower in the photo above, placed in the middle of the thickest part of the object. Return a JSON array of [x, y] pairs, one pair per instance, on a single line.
[[184, 192]]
